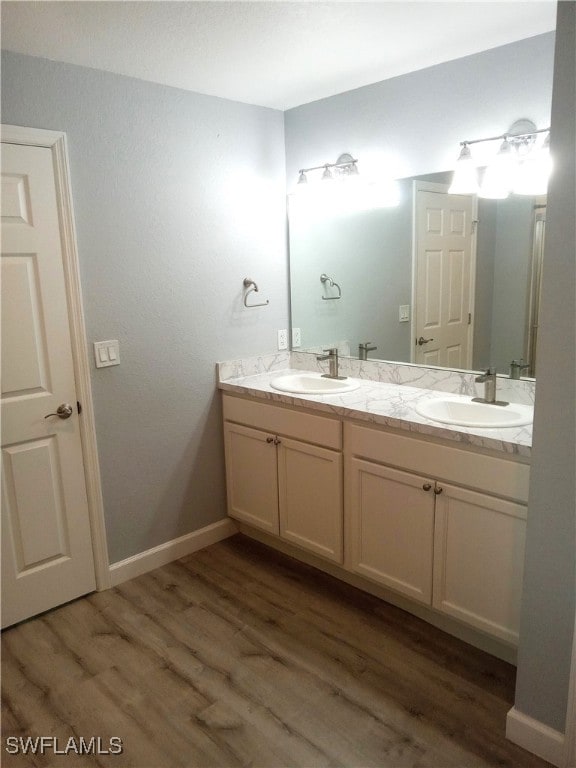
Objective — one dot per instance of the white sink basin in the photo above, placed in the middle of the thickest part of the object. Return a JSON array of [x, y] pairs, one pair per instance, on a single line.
[[463, 412], [312, 384]]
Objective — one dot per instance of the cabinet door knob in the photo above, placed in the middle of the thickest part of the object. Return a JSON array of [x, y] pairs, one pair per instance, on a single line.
[[438, 490], [427, 486], [277, 441], [269, 439]]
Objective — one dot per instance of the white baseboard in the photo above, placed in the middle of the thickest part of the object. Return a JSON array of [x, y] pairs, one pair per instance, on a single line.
[[535, 737], [172, 550]]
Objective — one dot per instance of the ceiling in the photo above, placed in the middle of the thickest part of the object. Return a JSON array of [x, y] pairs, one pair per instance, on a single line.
[[275, 54]]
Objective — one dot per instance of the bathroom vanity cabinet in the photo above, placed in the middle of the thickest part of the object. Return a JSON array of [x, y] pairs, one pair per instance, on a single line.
[[284, 474], [443, 526]]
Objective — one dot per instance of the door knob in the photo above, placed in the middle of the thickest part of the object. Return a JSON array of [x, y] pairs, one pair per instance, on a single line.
[[427, 486], [422, 340], [269, 439], [438, 489], [63, 411]]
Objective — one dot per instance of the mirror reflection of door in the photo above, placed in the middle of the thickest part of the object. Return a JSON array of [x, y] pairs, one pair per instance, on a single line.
[[444, 250]]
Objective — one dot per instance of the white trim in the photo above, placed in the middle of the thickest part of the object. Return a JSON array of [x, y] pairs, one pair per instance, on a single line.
[[534, 736], [56, 142], [569, 760], [172, 550]]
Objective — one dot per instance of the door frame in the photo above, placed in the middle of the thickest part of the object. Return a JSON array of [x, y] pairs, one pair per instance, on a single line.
[[432, 186], [56, 142]]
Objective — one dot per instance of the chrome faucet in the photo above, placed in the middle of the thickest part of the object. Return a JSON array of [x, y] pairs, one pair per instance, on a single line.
[[489, 381], [516, 368], [364, 348], [332, 356]]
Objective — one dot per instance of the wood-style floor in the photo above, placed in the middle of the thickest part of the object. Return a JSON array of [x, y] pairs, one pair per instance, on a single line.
[[239, 656]]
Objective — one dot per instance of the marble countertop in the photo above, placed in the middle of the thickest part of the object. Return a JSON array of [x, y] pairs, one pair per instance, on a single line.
[[385, 404]]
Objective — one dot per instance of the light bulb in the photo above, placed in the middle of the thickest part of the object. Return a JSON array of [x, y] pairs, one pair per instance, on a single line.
[[534, 172], [499, 175], [465, 179]]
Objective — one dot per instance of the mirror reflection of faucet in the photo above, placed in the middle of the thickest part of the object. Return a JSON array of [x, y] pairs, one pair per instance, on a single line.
[[516, 368], [364, 348]]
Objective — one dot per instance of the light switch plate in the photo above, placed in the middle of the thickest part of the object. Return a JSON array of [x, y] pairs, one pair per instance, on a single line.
[[404, 313], [106, 353]]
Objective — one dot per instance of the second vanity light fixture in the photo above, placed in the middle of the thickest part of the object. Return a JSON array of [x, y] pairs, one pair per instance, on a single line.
[[522, 165]]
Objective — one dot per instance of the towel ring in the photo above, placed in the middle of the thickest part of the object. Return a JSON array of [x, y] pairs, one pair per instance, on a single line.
[[325, 279], [251, 286]]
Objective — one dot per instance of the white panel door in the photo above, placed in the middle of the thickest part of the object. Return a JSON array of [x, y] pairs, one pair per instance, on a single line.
[[46, 543], [310, 497], [443, 279]]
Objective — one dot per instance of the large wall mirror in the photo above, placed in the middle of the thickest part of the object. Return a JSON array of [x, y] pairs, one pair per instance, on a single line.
[[378, 276]]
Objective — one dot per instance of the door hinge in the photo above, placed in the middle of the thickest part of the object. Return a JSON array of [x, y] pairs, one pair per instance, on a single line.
[[469, 318], [474, 226], [79, 406]]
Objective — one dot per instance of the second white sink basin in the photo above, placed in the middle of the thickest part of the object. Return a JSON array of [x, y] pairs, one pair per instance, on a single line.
[[464, 412], [312, 384]]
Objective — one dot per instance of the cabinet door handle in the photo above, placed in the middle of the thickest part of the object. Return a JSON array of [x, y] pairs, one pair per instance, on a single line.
[[438, 489], [427, 486], [269, 439], [277, 441]]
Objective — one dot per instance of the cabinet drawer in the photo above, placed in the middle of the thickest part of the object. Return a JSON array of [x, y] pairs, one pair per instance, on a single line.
[[284, 421], [500, 477]]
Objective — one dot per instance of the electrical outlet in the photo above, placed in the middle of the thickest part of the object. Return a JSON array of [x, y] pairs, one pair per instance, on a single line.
[[296, 338], [283, 339]]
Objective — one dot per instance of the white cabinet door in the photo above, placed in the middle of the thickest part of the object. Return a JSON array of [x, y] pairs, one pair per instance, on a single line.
[[310, 497], [46, 540], [251, 474], [391, 528], [478, 560]]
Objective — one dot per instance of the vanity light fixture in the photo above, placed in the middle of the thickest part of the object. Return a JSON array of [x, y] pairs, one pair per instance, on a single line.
[[520, 165], [346, 165]]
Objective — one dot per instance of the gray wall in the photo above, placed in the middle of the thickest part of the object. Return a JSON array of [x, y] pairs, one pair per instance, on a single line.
[[485, 248], [512, 271], [177, 198], [419, 119], [369, 253], [503, 274], [547, 620]]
